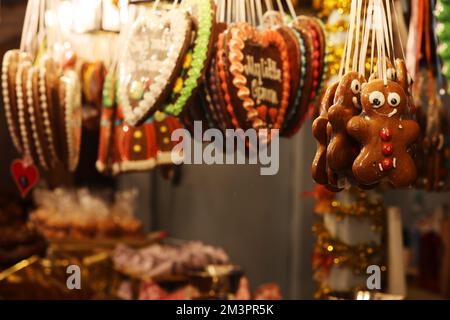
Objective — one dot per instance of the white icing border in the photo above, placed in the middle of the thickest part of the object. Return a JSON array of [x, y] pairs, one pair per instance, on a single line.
[[6, 99], [179, 23], [45, 115], [72, 103], [21, 109], [32, 119]]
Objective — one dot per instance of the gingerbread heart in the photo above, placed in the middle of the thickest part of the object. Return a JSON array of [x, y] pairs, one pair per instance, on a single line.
[[70, 116], [152, 59], [25, 176], [260, 74], [313, 37]]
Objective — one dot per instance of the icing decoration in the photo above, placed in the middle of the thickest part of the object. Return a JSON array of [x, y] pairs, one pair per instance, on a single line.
[[204, 11], [21, 112], [223, 80], [43, 102], [72, 117], [25, 176], [150, 61], [217, 100], [35, 117], [9, 98]]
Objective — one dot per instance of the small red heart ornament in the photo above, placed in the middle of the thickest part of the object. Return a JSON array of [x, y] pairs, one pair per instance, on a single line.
[[25, 175]]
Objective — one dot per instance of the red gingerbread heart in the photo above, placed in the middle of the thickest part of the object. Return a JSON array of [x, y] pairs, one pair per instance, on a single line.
[[25, 176], [259, 74]]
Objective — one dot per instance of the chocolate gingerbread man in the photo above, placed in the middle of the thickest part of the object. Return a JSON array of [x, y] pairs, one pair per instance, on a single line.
[[385, 137], [342, 148], [319, 130]]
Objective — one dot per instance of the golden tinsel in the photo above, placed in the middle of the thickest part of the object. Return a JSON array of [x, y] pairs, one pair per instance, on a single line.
[[360, 208], [338, 253]]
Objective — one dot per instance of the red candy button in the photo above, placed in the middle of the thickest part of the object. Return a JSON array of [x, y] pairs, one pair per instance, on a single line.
[[388, 150], [385, 134], [387, 164]]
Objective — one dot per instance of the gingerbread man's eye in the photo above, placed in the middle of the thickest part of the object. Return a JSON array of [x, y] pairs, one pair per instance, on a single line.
[[356, 86], [394, 99], [376, 99]]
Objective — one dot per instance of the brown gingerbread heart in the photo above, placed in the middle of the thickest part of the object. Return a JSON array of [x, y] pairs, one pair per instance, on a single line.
[[260, 75]]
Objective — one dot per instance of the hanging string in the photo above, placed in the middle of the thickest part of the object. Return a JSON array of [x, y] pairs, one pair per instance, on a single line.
[[357, 30], [386, 37], [389, 17], [341, 67], [269, 6], [372, 56], [229, 13], [29, 21], [222, 11], [252, 10], [365, 40], [291, 9], [259, 11], [350, 38], [396, 19], [280, 8]]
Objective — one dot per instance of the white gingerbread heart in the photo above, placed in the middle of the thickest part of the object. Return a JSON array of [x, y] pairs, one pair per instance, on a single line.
[[151, 59]]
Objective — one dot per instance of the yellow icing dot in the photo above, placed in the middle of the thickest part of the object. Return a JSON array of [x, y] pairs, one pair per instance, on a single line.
[[138, 134], [163, 129], [166, 140], [137, 148], [178, 85], [187, 61]]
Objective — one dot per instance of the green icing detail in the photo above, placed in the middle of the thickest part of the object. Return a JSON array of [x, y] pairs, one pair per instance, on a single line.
[[107, 101], [199, 57]]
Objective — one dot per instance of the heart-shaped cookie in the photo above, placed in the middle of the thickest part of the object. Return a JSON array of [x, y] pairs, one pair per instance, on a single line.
[[313, 36], [260, 76], [151, 61], [294, 107]]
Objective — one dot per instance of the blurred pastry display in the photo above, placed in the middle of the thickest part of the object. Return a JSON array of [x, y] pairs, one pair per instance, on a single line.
[[165, 260], [81, 215]]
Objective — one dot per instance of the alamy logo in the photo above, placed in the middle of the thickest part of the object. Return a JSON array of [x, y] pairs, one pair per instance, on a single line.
[[231, 147], [374, 280], [74, 280]]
